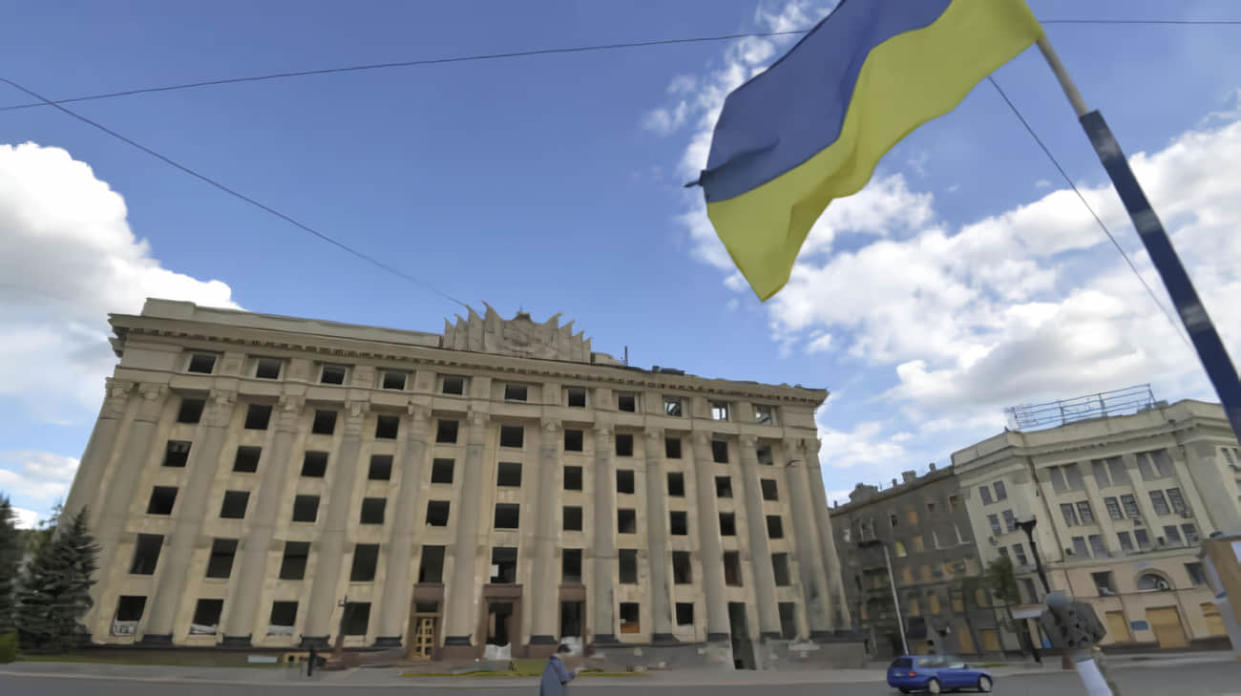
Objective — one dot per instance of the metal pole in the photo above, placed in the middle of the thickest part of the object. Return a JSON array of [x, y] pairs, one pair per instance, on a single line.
[[1038, 561], [900, 622], [1189, 307]]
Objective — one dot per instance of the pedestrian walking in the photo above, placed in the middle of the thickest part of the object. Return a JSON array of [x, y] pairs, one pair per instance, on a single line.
[[555, 676]]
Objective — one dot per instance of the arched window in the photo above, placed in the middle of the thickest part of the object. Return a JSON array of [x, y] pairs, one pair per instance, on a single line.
[[1152, 581]]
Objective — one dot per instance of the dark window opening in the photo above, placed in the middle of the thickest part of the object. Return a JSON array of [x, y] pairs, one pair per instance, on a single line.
[[258, 416], [628, 563], [268, 368], [324, 423], [512, 435], [314, 464], [672, 447], [202, 362], [627, 402], [573, 478], [220, 563], [191, 410], [764, 455], [685, 613], [572, 519], [177, 453], [332, 374], [571, 566], [788, 620], [441, 470], [293, 563], [234, 505], [728, 524], [624, 481], [504, 561], [365, 560], [207, 613], [678, 522], [247, 459], [576, 397], [770, 491], [387, 427], [507, 516], [146, 554], [283, 614], [431, 567], [624, 444], [373, 510], [676, 484], [780, 568], [306, 508], [775, 527], [508, 474], [381, 468], [672, 406], [437, 513], [719, 451], [515, 392], [626, 521], [452, 385], [394, 379], [357, 618], [573, 440], [130, 607], [732, 568], [446, 431], [682, 573], [571, 618], [629, 618], [723, 487], [162, 500]]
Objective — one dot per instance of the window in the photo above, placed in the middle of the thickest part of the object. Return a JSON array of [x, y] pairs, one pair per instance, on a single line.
[[314, 464], [575, 397], [682, 573], [1151, 581], [333, 374], [954, 502], [515, 392], [770, 491], [995, 524], [628, 563], [723, 487], [387, 427], [685, 613], [775, 527], [283, 616], [324, 422], [268, 368], [732, 568], [676, 484], [146, 554], [437, 513], [1019, 553], [1096, 546], [247, 459], [764, 455], [1010, 521], [719, 451], [394, 380], [1191, 533], [129, 608], [381, 468], [678, 522], [1103, 583], [573, 478], [504, 560], [719, 410], [234, 505], [1130, 505], [672, 407], [1197, 577], [571, 566], [780, 568], [626, 521], [203, 363], [162, 499], [441, 470], [728, 524], [452, 384], [624, 481], [1116, 467], [572, 440], [1084, 512], [911, 515], [985, 494], [365, 559], [1177, 501], [191, 410], [1160, 503], [508, 516], [305, 508], [431, 566], [446, 431], [293, 563], [220, 562], [1172, 535], [1000, 492], [898, 548], [629, 618], [1073, 477], [1079, 547], [1126, 543], [918, 545], [508, 474], [788, 619], [512, 436], [1162, 462], [258, 416], [1057, 479], [1003, 551], [1113, 508], [764, 414], [626, 401], [672, 447], [624, 444], [357, 618], [930, 509], [1098, 468], [206, 616], [373, 510], [1143, 539], [572, 518]]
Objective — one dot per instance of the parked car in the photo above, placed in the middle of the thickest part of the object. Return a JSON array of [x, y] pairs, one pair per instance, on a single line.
[[936, 674]]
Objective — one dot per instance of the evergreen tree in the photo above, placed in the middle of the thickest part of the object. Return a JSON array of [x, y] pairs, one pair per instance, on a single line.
[[55, 591], [10, 560]]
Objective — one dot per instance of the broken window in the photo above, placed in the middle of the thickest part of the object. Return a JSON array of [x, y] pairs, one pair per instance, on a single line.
[[572, 518], [234, 505], [258, 416], [624, 480], [247, 459], [283, 616], [515, 392], [324, 422], [437, 513], [441, 470], [162, 499], [723, 487], [678, 522], [764, 456], [626, 521], [728, 524], [719, 410], [431, 567], [775, 527], [512, 436], [676, 484], [571, 566], [732, 568], [508, 474], [764, 414], [624, 444], [220, 562], [452, 384], [507, 516], [573, 440], [573, 478], [628, 561], [305, 508], [575, 396], [268, 368], [206, 616], [293, 563], [202, 362], [685, 613], [682, 573], [191, 410], [373, 510], [387, 427], [314, 464], [446, 431], [146, 554], [672, 406], [719, 451], [672, 447], [629, 618], [394, 379], [333, 374], [780, 568], [381, 468], [504, 565], [365, 559], [788, 620], [770, 492], [357, 618], [626, 401]]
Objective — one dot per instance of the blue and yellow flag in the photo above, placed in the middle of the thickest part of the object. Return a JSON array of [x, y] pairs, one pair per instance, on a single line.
[[814, 125]]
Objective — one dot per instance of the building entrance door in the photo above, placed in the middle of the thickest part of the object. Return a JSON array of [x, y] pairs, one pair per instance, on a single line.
[[424, 638], [743, 647], [1118, 627], [1166, 623]]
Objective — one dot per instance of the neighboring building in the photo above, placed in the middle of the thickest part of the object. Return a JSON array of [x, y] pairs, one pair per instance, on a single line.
[[1121, 503], [268, 481], [925, 526]]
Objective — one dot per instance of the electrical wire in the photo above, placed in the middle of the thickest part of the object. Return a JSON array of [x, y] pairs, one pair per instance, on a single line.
[[237, 194], [1176, 325]]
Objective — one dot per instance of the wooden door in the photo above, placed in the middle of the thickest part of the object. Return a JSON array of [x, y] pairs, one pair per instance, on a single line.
[[1118, 627], [1215, 622], [1166, 624], [965, 642], [424, 638]]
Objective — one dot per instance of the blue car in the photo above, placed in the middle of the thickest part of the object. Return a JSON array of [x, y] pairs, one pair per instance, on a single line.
[[935, 674]]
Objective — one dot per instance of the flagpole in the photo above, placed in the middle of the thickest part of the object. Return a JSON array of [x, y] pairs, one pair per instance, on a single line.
[[1189, 307]]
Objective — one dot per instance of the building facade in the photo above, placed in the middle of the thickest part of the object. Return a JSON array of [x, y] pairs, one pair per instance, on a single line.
[[270, 482], [1120, 505], [924, 525]]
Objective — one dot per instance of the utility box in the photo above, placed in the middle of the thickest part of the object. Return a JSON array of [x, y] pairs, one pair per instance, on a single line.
[[1221, 558]]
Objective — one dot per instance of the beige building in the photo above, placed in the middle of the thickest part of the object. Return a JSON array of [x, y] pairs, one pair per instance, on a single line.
[[268, 481], [1121, 504]]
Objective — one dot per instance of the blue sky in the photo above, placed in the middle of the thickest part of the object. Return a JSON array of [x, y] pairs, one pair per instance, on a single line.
[[963, 280]]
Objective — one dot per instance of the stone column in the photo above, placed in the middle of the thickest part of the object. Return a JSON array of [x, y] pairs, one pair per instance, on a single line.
[[809, 553], [545, 581], [191, 511], [1200, 474], [244, 614], [711, 551], [657, 539], [398, 591], [760, 550], [338, 520], [827, 540], [463, 597], [98, 451], [120, 491], [603, 609]]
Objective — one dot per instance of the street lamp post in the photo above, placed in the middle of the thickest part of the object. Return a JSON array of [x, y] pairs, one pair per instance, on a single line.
[[887, 560], [1027, 526]]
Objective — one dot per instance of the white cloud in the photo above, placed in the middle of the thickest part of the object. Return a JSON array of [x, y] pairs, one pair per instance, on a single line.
[[865, 444], [26, 519], [69, 259], [41, 476]]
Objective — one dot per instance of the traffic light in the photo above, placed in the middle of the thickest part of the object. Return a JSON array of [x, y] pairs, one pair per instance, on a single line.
[[1070, 625]]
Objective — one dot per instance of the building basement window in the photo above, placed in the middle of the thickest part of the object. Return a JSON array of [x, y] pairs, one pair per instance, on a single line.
[[220, 563], [365, 560], [507, 516], [628, 562], [452, 384], [431, 566], [629, 618], [357, 618], [324, 422], [381, 468], [206, 616], [394, 380], [258, 416], [247, 459], [678, 522], [314, 464], [373, 510], [146, 554], [162, 500], [788, 620], [293, 563], [191, 411], [626, 521], [333, 374], [682, 573], [441, 470], [305, 508], [203, 363], [572, 518], [512, 436], [573, 478], [573, 440], [676, 484], [130, 608], [624, 480], [504, 565], [234, 505], [508, 474], [571, 566], [283, 617], [268, 368], [685, 613], [437, 513]]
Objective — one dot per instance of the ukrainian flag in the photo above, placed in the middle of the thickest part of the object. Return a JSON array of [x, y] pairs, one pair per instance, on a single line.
[[814, 125]]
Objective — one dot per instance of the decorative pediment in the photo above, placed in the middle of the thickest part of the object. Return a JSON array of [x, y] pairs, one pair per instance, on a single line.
[[519, 336]]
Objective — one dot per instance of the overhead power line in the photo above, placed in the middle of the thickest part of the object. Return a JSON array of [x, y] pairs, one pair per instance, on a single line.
[[528, 53], [237, 194]]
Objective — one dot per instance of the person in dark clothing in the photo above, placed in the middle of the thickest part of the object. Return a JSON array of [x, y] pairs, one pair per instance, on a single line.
[[555, 676]]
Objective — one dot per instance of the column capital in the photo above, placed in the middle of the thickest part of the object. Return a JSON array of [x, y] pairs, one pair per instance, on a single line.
[[418, 413], [355, 416], [152, 400], [748, 441], [477, 417], [150, 391], [115, 397], [603, 430], [220, 407], [791, 447], [550, 425], [654, 435]]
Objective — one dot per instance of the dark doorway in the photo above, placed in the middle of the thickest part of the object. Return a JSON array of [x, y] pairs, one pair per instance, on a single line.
[[570, 619], [743, 647], [499, 618]]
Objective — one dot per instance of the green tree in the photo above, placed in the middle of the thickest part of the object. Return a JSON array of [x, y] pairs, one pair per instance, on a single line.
[[10, 560], [55, 589], [1001, 579]]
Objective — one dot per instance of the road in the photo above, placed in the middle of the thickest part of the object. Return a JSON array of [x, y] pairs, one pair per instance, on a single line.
[[1201, 679]]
